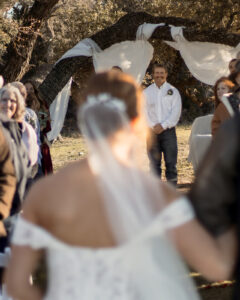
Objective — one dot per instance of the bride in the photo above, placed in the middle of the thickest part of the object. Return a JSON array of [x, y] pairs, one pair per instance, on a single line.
[[106, 226]]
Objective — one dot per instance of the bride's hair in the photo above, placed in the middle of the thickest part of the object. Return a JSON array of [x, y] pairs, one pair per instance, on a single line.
[[119, 85]]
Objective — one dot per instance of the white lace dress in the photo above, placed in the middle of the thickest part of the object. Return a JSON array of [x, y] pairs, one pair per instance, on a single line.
[[146, 268]]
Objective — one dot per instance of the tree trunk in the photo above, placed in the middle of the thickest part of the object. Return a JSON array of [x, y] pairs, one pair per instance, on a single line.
[[19, 51], [125, 29]]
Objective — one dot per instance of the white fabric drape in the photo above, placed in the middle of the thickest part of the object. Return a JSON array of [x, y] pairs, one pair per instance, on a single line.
[[133, 57], [86, 47], [58, 111], [58, 108], [206, 61]]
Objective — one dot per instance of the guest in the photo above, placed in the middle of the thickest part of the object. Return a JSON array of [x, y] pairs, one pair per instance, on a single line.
[[23, 145], [235, 77], [12, 105], [31, 118], [41, 109], [223, 108], [231, 65], [163, 110], [237, 66]]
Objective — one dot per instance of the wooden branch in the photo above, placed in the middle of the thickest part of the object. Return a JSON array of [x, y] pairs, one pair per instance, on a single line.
[[20, 49], [229, 23], [125, 29]]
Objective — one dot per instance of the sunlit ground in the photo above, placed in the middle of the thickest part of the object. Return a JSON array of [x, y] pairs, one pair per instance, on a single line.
[[74, 148]]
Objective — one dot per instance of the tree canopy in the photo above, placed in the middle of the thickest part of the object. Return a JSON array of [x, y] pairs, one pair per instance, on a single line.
[[63, 23]]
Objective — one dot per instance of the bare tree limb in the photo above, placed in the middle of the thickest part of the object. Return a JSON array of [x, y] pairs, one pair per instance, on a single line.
[[19, 51], [125, 29]]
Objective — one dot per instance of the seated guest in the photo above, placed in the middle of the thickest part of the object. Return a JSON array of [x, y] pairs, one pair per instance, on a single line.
[[223, 108]]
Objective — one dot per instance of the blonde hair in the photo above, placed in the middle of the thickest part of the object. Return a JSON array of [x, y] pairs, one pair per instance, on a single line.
[[20, 100]]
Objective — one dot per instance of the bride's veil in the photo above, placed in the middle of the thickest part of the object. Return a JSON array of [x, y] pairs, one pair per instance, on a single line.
[[132, 201]]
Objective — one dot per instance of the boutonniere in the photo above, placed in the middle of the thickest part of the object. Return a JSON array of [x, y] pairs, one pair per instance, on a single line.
[[170, 92]]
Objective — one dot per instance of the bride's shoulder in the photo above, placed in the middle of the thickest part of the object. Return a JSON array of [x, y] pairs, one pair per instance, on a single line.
[[49, 191]]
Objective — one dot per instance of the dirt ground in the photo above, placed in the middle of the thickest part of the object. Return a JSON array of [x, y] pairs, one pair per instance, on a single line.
[[73, 148]]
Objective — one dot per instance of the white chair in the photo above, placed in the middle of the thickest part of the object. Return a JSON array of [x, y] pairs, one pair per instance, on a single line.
[[199, 140], [4, 257]]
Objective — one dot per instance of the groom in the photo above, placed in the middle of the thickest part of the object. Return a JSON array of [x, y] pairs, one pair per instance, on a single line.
[[163, 110]]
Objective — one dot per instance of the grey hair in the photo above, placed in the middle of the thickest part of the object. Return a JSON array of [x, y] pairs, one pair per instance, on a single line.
[[22, 89], [20, 100]]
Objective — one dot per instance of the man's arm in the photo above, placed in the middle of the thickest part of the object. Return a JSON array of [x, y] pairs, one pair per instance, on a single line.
[[173, 118], [147, 109], [7, 178], [213, 193]]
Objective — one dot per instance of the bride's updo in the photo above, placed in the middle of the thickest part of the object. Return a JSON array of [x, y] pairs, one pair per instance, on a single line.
[[119, 85], [111, 100]]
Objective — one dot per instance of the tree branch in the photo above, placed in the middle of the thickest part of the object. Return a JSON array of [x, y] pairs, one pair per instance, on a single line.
[[125, 29]]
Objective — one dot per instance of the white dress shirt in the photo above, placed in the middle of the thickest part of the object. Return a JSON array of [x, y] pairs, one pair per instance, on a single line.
[[163, 105]]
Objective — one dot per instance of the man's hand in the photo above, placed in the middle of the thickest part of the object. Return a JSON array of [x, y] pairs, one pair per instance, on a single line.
[[158, 129]]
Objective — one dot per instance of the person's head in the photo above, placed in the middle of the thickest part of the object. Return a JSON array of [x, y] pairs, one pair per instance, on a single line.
[[117, 68], [159, 74], [31, 87], [116, 85], [111, 118], [237, 66], [33, 102], [235, 78], [22, 89], [231, 65], [12, 103], [222, 86], [33, 95]]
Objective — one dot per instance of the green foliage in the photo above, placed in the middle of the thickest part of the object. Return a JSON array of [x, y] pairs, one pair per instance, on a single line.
[[76, 20], [70, 21], [8, 27]]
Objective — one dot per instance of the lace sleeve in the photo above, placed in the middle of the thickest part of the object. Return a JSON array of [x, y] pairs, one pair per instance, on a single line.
[[177, 213], [28, 234]]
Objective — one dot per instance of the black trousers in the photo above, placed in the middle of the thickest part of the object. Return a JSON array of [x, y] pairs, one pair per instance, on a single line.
[[163, 144]]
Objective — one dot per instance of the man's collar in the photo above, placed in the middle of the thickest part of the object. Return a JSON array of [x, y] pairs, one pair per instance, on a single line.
[[162, 86]]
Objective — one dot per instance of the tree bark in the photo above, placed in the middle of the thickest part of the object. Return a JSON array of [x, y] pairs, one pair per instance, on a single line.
[[125, 29], [19, 51]]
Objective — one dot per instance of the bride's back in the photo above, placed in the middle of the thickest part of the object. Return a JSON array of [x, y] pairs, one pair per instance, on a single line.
[[69, 206]]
